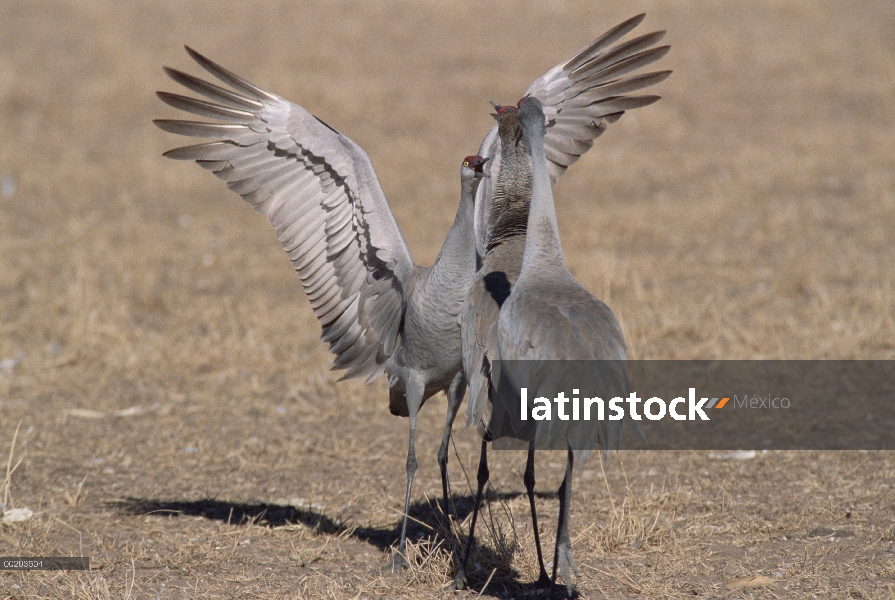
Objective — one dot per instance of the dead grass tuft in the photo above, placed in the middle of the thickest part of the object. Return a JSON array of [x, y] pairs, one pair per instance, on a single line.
[[6, 484]]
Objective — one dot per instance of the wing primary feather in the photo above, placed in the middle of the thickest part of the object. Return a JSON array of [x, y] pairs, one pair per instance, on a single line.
[[610, 119], [351, 353], [215, 166], [212, 91], [596, 46], [337, 328], [206, 109], [343, 344], [629, 84], [229, 78], [199, 129], [309, 263], [360, 368], [208, 152], [250, 163], [333, 310], [625, 65], [316, 281], [559, 157], [619, 104], [623, 50]]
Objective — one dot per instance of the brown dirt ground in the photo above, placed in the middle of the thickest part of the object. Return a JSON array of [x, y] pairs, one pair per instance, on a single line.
[[749, 214]]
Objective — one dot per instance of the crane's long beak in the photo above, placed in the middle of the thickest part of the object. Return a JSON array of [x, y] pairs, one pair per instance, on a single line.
[[480, 168]]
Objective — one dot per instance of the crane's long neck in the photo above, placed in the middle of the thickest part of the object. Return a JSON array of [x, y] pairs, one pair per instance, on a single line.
[[512, 193], [542, 246], [456, 262]]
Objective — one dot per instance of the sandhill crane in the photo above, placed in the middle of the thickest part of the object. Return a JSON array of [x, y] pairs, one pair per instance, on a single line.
[[544, 313], [549, 315], [379, 311], [581, 97], [502, 215]]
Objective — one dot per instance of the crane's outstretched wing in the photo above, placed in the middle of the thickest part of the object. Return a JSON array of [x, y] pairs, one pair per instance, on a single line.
[[322, 196], [582, 96]]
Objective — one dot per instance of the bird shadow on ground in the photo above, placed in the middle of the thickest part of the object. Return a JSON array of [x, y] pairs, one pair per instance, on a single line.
[[427, 525]]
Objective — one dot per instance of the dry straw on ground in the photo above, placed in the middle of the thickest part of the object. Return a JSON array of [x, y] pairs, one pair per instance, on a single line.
[[178, 424]]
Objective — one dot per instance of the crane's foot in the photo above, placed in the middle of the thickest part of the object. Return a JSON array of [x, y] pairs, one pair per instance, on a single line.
[[459, 582], [397, 563], [544, 580], [566, 566]]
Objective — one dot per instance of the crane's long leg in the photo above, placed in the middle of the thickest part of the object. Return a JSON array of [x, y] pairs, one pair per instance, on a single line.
[[563, 556], [483, 475], [529, 478], [414, 393], [455, 398]]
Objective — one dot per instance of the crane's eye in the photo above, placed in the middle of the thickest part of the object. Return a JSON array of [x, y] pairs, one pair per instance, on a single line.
[[465, 163]]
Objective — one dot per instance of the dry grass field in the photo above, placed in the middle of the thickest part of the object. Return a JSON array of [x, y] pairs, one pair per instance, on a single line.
[[176, 419]]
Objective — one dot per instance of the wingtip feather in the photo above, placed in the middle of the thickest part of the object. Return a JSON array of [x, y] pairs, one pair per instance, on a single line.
[[603, 41], [229, 77]]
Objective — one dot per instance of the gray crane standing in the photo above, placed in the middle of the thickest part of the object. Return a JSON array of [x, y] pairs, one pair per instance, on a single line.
[[380, 312], [549, 315], [506, 220]]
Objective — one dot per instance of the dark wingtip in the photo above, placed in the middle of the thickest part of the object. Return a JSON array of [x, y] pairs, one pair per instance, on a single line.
[[196, 56], [637, 19], [229, 77], [165, 96]]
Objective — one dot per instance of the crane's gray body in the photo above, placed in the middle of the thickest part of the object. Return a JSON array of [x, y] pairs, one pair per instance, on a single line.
[[430, 340], [557, 320], [489, 290]]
